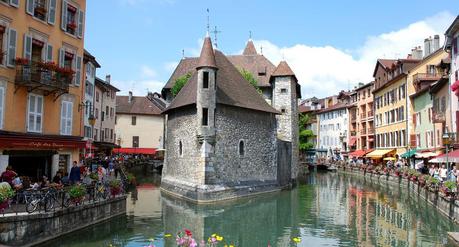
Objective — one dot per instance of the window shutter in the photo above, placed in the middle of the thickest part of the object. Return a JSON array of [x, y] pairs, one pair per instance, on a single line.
[[414, 120], [14, 3], [12, 40], [80, 23], [69, 118], [64, 16], [49, 53], [61, 57], [27, 47], [63, 115], [78, 70], [29, 7], [52, 11]]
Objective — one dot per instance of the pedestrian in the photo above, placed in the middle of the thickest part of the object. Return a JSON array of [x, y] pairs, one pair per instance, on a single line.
[[443, 173], [432, 170], [437, 173], [75, 173], [8, 175]]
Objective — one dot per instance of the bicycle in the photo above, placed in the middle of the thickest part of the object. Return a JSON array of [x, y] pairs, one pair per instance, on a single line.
[[101, 190], [44, 198]]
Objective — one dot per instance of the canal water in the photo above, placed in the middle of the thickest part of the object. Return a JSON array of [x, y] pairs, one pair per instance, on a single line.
[[327, 209]]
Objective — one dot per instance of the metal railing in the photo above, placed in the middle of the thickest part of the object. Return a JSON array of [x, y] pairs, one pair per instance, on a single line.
[[426, 76], [35, 74]]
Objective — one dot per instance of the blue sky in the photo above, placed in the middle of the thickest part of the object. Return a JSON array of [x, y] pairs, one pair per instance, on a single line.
[[139, 42]]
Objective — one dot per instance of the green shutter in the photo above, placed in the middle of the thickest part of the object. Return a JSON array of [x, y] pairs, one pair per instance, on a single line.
[[30, 7], [52, 11], [80, 23], [64, 16], [49, 53], [27, 47], [78, 71], [12, 40]]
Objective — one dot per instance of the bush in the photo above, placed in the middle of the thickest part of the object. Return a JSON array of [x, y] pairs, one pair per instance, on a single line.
[[179, 83], [115, 183], [450, 185], [6, 193]]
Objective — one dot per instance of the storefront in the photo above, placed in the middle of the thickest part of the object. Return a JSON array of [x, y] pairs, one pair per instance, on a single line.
[[38, 155]]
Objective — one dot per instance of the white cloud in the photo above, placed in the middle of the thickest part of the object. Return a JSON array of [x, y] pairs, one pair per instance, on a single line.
[[336, 69], [147, 72], [138, 87]]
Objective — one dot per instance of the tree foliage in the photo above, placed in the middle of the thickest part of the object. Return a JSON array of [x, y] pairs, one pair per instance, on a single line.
[[305, 134], [250, 78], [179, 83]]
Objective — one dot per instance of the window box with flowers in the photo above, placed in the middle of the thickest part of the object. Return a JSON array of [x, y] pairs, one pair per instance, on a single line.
[[21, 61], [71, 26]]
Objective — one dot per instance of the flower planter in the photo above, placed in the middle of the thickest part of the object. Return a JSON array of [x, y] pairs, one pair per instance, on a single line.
[[115, 191], [77, 200], [4, 205]]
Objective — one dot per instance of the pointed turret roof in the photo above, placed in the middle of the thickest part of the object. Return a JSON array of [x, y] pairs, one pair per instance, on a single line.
[[207, 58], [249, 48], [283, 70]]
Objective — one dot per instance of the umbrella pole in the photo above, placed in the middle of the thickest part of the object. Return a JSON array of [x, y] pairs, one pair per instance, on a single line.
[[447, 160]]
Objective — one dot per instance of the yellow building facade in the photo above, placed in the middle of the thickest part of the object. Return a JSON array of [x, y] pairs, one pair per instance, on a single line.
[[390, 103], [41, 85]]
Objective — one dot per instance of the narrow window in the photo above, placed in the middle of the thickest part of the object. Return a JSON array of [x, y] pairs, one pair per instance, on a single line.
[[180, 148], [205, 116], [241, 148], [135, 141], [283, 110], [283, 90], [134, 120], [205, 79]]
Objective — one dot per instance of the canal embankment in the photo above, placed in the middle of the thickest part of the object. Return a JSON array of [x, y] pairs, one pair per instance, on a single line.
[[446, 205], [31, 229]]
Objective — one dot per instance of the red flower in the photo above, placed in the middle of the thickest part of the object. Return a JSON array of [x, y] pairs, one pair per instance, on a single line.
[[188, 233]]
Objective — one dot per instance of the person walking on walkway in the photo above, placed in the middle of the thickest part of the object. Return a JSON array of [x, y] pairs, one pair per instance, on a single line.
[[443, 173], [75, 173]]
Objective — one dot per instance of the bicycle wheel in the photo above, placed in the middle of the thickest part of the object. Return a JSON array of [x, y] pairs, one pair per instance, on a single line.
[[32, 205], [66, 200], [49, 203]]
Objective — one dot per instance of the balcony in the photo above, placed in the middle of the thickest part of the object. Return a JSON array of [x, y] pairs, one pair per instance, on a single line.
[[353, 118], [438, 117], [363, 116], [371, 131], [45, 77], [370, 114], [363, 131], [420, 77]]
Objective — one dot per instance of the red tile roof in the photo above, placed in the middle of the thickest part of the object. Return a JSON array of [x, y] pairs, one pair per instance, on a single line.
[[139, 105]]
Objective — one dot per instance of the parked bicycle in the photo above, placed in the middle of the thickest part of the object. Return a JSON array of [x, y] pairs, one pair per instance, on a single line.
[[43, 198]]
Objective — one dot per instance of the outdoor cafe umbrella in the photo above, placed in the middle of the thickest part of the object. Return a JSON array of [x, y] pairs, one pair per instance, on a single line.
[[389, 158]]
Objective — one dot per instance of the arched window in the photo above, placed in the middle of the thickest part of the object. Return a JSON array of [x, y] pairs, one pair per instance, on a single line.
[[241, 148], [180, 148]]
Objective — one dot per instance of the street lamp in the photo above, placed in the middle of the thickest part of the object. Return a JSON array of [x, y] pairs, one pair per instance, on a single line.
[[92, 122], [448, 139]]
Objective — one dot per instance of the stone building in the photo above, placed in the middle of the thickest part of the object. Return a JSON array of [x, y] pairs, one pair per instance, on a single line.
[[223, 138]]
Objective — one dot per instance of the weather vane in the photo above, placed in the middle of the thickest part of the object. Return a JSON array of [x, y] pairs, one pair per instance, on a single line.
[[208, 21]]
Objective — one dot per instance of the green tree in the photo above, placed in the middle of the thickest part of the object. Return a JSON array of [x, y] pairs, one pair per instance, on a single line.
[[251, 79], [179, 83], [305, 134]]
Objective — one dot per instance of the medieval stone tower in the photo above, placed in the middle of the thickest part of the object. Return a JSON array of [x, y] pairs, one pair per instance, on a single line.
[[206, 91], [285, 100]]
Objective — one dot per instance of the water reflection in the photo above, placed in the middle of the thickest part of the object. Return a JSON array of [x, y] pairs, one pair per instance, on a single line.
[[331, 210]]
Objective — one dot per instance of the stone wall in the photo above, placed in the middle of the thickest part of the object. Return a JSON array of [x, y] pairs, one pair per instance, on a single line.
[[287, 122], [257, 130], [182, 126], [31, 229]]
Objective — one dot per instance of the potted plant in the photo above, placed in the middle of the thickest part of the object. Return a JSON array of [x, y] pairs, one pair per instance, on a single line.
[[71, 25], [21, 61], [448, 188], [131, 179], [433, 184], [423, 179], [77, 193], [115, 187], [6, 193], [94, 176]]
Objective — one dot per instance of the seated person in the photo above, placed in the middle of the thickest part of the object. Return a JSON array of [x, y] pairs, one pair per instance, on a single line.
[[17, 183]]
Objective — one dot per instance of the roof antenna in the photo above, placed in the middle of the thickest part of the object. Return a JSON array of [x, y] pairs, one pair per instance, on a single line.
[[215, 32], [208, 21], [250, 35], [183, 53], [261, 49]]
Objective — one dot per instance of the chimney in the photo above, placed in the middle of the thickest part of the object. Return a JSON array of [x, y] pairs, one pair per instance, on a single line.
[[130, 97], [416, 53], [436, 42], [427, 47], [107, 78]]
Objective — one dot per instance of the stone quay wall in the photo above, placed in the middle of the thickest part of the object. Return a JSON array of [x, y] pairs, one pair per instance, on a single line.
[[446, 206], [32, 229]]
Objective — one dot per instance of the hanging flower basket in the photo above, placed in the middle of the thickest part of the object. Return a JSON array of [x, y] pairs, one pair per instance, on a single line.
[[21, 61], [71, 25]]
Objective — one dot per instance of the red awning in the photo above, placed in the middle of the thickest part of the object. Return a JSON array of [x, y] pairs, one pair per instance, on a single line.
[[41, 142], [135, 150], [358, 153], [452, 157]]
